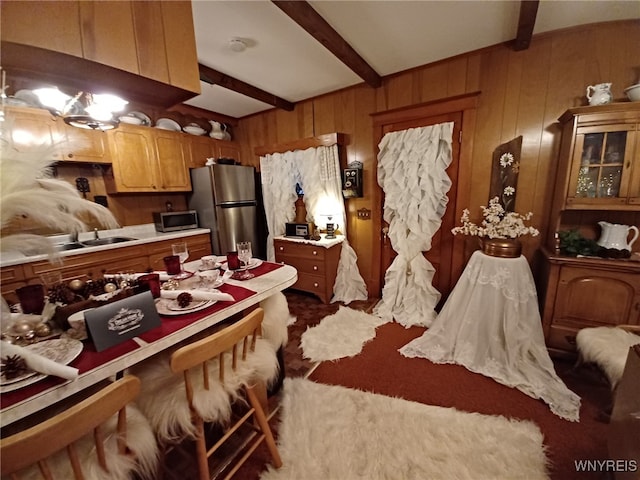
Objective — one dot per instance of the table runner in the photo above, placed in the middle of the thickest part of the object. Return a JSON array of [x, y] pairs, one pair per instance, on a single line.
[[90, 358], [263, 268]]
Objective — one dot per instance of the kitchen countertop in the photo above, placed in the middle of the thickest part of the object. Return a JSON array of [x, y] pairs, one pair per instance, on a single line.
[[145, 233]]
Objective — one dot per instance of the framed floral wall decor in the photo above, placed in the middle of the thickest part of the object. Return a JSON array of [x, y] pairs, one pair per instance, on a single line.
[[504, 173]]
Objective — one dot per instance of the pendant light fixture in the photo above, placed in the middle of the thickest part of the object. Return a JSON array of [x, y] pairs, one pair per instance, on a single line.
[[85, 110]]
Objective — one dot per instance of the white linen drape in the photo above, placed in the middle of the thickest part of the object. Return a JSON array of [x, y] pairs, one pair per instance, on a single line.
[[278, 176], [317, 170], [411, 172]]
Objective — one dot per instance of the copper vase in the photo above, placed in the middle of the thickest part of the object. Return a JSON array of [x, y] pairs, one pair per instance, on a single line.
[[502, 247]]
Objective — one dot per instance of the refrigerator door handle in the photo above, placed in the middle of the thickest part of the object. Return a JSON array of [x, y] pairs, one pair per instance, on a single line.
[[248, 203]]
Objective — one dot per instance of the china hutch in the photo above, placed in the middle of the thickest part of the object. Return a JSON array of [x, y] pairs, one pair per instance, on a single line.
[[598, 180]]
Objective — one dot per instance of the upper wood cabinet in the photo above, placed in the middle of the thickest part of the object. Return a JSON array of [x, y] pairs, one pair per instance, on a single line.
[[37, 128], [599, 166], [154, 40], [147, 160], [82, 145], [33, 129], [172, 161]]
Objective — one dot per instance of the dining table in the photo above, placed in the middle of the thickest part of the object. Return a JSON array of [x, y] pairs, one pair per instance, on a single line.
[[95, 367]]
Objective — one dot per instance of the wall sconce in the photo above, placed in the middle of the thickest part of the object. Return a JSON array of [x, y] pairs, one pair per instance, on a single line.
[[85, 110]]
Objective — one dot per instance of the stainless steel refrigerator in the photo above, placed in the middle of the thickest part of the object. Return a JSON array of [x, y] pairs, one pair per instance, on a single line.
[[225, 198]]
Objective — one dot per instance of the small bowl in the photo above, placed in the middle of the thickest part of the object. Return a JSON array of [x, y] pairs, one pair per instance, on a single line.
[[633, 92]]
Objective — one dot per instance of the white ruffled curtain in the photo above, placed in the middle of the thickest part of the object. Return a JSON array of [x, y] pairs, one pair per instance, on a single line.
[[411, 171], [317, 170]]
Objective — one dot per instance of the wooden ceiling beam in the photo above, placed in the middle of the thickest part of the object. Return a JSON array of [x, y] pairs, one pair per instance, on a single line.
[[304, 15], [214, 77], [526, 22]]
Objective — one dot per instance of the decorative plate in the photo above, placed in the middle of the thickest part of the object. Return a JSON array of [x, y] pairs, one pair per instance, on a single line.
[[166, 306], [146, 121], [61, 350], [168, 124]]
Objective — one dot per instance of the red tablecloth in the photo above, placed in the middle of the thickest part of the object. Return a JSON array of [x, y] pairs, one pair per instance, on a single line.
[[90, 358]]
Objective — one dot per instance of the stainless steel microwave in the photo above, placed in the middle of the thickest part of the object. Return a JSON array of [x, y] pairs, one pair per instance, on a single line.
[[175, 221]]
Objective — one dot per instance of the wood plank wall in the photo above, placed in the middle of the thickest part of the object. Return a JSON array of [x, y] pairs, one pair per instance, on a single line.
[[523, 93]]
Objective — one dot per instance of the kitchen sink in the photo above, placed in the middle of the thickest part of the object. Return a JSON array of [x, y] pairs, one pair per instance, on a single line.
[[69, 246], [106, 241]]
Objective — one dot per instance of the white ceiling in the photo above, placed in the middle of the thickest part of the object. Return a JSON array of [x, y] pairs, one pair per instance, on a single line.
[[391, 36]]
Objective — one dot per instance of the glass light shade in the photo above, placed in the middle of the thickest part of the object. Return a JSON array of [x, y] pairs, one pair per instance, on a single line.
[[52, 98], [99, 112], [107, 101]]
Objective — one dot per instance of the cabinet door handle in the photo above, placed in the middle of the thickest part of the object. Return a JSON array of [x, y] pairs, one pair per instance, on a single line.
[[315, 253], [315, 267], [315, 284], [281, 249]]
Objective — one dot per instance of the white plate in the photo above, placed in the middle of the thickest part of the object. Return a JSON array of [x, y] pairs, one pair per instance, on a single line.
[[61, 350], [146, 121], [166, 306], [130, 119], [253, 263], [168, 124], [193, 130]]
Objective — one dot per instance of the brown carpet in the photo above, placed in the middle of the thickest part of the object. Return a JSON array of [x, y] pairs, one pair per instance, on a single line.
[[381, 369]]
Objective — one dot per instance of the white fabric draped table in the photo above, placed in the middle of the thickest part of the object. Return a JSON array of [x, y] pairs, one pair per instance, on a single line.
[[491, 325]]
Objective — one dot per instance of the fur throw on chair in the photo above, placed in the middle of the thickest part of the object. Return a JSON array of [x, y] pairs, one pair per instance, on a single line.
[[163, 401], [276, 319], [140, 440], [608, 348]]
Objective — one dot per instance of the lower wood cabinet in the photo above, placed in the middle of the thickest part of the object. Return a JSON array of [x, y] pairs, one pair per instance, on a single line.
[[137, 258], [316, 265], [585, 292]]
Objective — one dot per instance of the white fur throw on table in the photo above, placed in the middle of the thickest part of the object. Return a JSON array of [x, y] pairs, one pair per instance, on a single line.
[[607, 347]]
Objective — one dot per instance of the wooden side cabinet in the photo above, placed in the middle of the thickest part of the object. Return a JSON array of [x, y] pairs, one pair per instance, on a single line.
[[585, 292], [317, 265]]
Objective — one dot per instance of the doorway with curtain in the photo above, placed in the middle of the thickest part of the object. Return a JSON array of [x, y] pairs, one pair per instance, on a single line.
[[446, 253]]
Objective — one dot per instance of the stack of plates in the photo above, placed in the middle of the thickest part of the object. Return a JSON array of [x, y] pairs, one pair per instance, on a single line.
[[168, 124]]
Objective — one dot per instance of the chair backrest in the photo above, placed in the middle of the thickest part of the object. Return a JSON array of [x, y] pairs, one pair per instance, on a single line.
[[238, 340], [198, 353], [39, 443]]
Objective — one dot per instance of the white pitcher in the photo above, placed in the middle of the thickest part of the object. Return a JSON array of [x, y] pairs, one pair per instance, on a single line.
[[217, 131], [599, 94], [615, 236]]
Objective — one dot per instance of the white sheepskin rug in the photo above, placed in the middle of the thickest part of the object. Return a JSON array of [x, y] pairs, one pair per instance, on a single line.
[[342, 334], [607, 347], [337, 433]]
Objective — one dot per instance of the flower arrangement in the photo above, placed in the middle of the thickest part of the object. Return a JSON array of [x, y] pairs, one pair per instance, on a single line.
[[497, 223]]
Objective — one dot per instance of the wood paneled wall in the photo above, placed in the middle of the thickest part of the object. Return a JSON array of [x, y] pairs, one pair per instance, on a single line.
[[522, 93]]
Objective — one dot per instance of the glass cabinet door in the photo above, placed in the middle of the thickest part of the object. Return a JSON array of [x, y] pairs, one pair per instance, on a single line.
[[602, 164]]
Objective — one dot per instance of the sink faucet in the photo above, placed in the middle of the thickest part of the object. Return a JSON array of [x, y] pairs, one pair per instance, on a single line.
[[95, 234], [73, 237]]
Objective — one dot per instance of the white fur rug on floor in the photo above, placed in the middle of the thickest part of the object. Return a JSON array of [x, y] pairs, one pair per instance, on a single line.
[[339, 335], [337, 433]]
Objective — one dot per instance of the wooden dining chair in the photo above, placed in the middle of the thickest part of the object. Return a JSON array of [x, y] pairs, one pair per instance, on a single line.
[[101, 437], [233, 344]]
